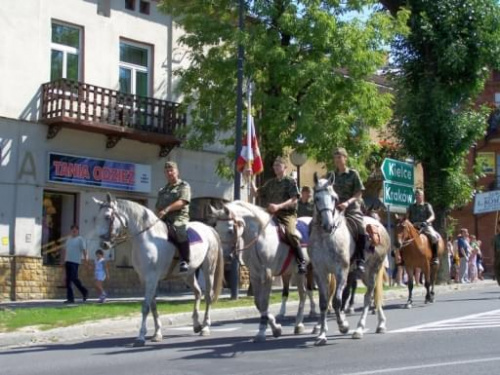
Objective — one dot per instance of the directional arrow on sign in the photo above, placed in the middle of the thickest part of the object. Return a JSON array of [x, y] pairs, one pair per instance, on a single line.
[[398, 171]]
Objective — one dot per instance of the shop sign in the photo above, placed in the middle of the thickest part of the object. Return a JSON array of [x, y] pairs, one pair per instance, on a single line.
[[100, 173]]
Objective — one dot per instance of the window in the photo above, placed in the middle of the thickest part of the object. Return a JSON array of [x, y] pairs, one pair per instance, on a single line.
[[58, 214], [65, 52], [130, 4], [134, 69], [144, 7]]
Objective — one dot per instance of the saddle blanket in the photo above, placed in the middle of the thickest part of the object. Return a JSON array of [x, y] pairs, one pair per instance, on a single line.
[[193, 236], [301, 226]]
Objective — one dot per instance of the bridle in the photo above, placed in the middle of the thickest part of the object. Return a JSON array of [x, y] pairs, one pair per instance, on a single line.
[[407, 239], [336, 223], [123, 234]]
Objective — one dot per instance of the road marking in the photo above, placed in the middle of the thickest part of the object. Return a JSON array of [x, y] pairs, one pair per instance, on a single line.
[[432, 365], [490, 319]]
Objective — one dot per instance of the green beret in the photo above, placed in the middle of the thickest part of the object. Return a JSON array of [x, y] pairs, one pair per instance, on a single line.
[[171, 164], [340, 151]]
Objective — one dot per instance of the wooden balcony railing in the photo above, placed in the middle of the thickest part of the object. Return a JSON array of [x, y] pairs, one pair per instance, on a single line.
[[82, 106]]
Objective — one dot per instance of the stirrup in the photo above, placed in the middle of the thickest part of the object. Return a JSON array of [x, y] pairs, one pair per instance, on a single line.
[[360, 266], [183, 267], [435, 260]]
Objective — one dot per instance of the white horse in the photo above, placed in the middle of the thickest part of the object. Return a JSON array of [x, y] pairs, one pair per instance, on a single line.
[[248, 231], [330, 249], [154, 257]]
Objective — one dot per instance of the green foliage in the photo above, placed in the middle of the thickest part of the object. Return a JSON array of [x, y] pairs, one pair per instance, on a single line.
[[311, 65], [444, 61]]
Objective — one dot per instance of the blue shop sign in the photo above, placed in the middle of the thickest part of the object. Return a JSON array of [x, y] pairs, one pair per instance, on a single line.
[[101, 173]]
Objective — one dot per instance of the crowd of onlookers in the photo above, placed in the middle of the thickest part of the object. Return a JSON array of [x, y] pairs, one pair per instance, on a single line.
[[465, 261]]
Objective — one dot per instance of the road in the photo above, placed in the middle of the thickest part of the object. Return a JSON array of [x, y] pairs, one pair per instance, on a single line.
[[458, 334]]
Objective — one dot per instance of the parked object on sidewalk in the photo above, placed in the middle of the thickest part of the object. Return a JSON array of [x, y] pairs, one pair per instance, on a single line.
[[154, 257], [415, 251], [331, 246]]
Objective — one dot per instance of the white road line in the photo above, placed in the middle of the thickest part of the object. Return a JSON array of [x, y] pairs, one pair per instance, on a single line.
[[419, 367], [470, 321]]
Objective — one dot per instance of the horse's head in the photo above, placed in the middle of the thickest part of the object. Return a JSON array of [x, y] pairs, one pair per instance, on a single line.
[[325, 201], [229, 227], [109, 223], [402, 232]]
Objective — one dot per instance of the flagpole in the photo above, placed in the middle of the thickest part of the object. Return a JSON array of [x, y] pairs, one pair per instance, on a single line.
[[235, 267]]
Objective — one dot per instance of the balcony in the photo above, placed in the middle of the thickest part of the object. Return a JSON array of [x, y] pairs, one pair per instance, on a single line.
[[81, 106]]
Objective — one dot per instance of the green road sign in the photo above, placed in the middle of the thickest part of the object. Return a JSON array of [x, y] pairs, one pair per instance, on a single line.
[[397, 194], [398, 171]]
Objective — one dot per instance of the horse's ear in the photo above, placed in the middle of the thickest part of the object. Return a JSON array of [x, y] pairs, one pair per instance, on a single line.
[[331, 178], [315, 176], [97, 201], [214, 212], [110, 199], [226, 210]]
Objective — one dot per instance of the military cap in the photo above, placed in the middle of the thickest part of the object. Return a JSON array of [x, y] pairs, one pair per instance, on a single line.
[[340, 151], [171, 164], [280, 159]]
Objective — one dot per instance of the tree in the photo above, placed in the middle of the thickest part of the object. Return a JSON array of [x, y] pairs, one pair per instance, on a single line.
[[444, 61], [310, 63]]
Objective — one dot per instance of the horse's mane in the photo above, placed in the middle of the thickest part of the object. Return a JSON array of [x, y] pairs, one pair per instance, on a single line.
[[261, 214], [413, 231], [134, 209]]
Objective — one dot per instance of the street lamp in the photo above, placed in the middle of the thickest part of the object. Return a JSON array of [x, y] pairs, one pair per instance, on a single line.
[[298, 160]]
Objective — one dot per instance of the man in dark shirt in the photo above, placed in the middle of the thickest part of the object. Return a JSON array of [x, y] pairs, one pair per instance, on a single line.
[[281, 194], [305, 203], [172, 206], [421, 216], [350, 189]]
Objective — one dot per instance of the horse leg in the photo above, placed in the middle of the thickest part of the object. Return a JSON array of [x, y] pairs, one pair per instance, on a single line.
[[349, 293], [310, 291], [322, 280], [341, 277], [409, 303], [150, 291], [285, 280], [332, 285], [301, 287], [209, 298], [427, 274], [262, 290], [157, 337], [193, 284]]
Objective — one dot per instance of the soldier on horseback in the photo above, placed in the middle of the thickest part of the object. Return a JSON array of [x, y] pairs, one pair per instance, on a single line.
[[421, 215], [281, 194], [350, 189]]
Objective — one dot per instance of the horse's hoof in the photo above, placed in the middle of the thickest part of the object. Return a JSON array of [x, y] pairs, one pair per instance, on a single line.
[[197, 328], [344, 329], [259, 338], [381, 330], [408, 306], [321, 341], [205, 331], [357, 335], [299, 329], [277, 331], [349, 311], [157, 338], [315, 330], [139, 343]]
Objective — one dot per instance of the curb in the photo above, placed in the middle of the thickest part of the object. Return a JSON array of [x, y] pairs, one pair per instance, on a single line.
[[107, 327]]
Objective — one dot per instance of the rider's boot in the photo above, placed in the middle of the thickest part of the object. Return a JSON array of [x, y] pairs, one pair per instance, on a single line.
[[359, 253], [301, 260], [184, 251], [435, 259]]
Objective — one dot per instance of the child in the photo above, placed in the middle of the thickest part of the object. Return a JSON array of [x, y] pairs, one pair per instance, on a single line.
[[101, 273]]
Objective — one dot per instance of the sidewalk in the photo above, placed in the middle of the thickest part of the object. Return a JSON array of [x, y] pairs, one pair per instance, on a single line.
[[115, 326]]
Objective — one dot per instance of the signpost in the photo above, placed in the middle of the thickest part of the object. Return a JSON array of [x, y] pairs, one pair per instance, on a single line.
[[397, 194], [398, 185], [398, 171], [487, 202]]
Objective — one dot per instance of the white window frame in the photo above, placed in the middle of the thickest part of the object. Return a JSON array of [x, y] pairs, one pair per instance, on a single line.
[[67, 49], [134, 68]]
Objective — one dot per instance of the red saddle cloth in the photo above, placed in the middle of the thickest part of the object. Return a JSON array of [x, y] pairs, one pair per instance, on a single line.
[[373, 233]]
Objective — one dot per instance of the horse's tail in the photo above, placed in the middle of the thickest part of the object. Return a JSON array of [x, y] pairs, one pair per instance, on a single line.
[[378, 296], [219, 267]]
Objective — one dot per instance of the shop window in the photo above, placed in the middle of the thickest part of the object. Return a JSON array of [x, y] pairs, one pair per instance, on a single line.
[[130, 4], [58, 214]]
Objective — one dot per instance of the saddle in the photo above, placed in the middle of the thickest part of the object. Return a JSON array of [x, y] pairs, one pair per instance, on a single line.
[[301, 227]]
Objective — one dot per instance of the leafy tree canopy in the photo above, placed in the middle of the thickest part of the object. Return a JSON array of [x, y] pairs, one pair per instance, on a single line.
[[444, 60], [311, 64]]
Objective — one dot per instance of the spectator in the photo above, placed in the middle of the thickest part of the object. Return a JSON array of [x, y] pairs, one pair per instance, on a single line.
[[74, 251], [305, 205], [464, 250], [451, 255], [101, 273], [473, 259]]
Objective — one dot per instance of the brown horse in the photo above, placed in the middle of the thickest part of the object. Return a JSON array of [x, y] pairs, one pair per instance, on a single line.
[[415, 252]]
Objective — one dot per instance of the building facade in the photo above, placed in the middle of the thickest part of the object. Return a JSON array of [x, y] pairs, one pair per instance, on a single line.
[[87, 106]]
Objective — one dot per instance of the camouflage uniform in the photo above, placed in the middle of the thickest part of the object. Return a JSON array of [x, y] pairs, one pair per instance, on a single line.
[[305, 209], [346, 185], [278, 191], [420, 213]]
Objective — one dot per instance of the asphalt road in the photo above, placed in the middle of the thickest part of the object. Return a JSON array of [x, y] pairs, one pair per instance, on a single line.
[[458, 334]]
